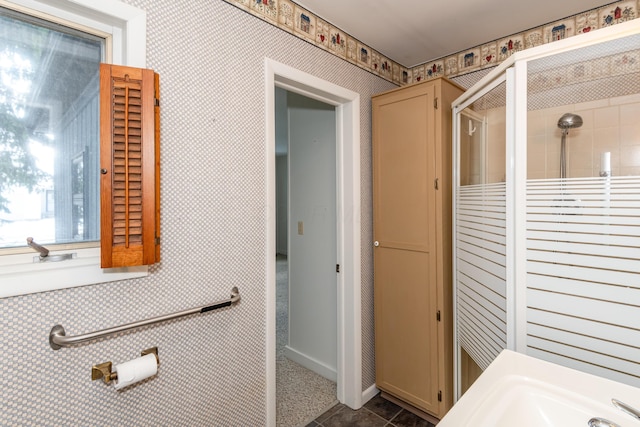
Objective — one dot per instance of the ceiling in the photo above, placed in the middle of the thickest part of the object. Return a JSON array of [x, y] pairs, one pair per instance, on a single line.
[[412, 32]]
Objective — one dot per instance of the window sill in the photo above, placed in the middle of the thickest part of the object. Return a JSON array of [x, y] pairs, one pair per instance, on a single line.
[[19, 275]]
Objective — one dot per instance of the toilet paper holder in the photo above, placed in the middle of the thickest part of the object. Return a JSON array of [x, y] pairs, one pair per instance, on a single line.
[[103, 370]]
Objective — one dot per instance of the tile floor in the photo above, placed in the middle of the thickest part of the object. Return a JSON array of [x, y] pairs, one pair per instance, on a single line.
[[377, 412]]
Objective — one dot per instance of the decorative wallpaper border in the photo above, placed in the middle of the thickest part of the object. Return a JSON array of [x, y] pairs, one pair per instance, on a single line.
[[290, 17]]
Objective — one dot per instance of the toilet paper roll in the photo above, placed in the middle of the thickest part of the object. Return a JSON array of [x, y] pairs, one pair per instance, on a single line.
[[135, 370]]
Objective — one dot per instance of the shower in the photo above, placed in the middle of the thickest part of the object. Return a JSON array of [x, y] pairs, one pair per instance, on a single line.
[[566, 122]]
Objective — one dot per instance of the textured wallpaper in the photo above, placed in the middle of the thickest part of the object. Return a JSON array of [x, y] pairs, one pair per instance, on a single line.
[[210, 56]]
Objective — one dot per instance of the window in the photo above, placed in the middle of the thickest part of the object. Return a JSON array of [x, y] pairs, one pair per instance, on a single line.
[[49, 135]]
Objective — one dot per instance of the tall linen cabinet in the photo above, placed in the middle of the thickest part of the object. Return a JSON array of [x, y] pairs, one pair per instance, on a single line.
[[412, 245]]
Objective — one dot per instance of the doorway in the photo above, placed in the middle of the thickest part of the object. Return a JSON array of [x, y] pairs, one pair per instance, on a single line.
[[349, 342], [306, 241]]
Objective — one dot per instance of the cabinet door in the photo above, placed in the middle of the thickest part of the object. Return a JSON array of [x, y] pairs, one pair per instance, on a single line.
[[406, 334], [403, 163]]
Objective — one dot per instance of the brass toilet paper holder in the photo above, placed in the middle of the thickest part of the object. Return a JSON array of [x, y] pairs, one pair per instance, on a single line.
[[103, 370]]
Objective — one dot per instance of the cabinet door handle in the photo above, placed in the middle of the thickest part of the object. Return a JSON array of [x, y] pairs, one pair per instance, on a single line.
[[376, 243]]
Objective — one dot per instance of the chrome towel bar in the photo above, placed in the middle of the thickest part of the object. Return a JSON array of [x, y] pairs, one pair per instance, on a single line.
[[58, 338]]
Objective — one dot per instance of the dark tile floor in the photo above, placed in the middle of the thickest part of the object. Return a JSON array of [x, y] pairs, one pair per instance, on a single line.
[[377, 412]]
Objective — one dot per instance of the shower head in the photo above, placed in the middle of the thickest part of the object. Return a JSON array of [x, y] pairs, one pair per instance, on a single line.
[[569, 121], [566, 122]]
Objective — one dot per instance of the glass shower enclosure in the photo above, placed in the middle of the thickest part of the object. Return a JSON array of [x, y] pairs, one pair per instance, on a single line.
[[547, 206]]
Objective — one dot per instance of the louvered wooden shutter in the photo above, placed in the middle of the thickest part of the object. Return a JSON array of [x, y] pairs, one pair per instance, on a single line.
[[129, 162]]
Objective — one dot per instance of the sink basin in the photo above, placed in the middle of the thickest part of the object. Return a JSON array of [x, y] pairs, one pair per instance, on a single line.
[[520, 390]]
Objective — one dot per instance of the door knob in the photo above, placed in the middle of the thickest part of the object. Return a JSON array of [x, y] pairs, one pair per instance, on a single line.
[[376, 243]]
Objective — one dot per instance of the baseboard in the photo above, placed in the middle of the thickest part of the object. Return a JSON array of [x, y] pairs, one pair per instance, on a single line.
[[369, 393], [311, 363]]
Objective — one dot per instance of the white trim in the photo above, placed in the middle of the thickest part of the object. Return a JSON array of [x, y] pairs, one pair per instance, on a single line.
[[519, 150], [310, 363], [510, 253], [455, 157], [457, 110], [349, 361], [20, 275], [127, 27], [270, 215], [516, 215], [127, 24], [369, 393]]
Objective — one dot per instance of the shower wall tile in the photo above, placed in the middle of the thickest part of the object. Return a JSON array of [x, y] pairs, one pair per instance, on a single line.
[[553, 162], [496, 150], [630, 116], [536, 156], [605, 138], [610, 125], [606, 117], [587, 108], [630, 158], [630, 134]]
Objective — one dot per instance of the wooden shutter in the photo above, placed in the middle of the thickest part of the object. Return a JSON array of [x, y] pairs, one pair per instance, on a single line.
[[129, 163]]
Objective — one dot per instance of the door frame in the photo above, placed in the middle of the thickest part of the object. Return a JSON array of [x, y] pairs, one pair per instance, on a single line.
[[349, 336]]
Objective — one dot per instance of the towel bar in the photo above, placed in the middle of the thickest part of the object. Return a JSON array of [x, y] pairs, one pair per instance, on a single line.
[[58, 339]]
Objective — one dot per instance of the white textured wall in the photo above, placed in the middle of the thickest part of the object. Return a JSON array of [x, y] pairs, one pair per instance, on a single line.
[[210, 57], [313, 292]]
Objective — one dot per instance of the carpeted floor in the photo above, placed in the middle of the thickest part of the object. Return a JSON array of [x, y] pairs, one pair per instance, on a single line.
[[301, 395]]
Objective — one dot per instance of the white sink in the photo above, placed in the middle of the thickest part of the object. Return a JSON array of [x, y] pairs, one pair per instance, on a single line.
[[519, 390]]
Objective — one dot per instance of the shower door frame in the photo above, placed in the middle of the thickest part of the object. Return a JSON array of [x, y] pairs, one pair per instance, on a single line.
[[514, 71]]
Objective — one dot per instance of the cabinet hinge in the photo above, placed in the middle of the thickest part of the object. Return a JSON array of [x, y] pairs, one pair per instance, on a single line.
[[439, 395], [337, 268], [157, 102], [435, 103], [438, 315]]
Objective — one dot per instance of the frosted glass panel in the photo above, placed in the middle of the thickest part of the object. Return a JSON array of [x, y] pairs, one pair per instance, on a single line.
[[583, 209], [583, 274], [569, 223], [481, 228]]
